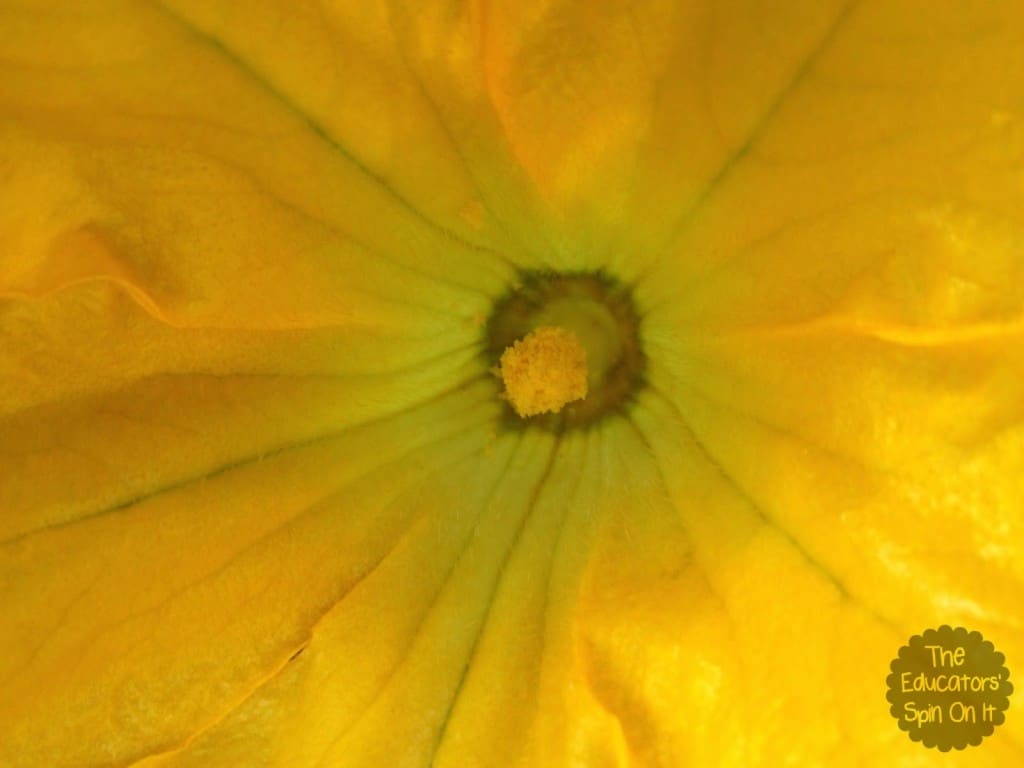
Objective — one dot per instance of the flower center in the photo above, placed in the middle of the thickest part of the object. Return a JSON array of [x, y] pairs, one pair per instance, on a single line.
[[567, 348]]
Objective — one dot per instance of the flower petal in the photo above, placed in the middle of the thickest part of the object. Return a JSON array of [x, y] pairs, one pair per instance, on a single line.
[[226, 205], [162, 615]]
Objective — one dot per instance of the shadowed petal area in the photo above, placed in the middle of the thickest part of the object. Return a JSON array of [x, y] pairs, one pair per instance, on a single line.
[[202, 361], [144, 152], [589, 130], [121, 407]]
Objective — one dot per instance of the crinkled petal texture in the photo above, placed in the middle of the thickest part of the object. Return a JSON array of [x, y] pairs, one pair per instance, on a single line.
[[257, 507]]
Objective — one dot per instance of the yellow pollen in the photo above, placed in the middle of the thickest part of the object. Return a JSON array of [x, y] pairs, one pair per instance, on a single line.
[[544, 371]]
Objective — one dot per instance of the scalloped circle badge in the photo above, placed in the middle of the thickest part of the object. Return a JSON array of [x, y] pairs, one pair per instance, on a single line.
[[949, 688]]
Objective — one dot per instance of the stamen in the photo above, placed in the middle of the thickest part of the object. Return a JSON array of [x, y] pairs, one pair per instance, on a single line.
[[544, 371]]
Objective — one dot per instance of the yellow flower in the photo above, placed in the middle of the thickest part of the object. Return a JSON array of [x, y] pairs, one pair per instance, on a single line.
[[261, 500]]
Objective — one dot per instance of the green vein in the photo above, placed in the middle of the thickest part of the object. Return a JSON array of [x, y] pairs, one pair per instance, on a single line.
[[314, 126], [332, 603], [830, 453], [531, 505], [228, 467], [499, 478], [734, 160], [756, 507], [449, 135]]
